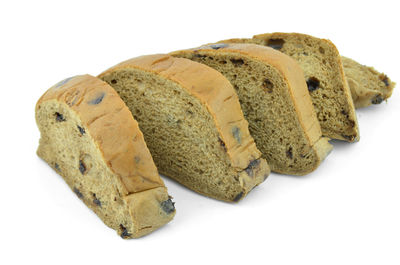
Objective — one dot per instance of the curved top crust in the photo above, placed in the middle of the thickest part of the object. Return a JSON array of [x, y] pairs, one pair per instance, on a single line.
[[214, 91], [109, 122]]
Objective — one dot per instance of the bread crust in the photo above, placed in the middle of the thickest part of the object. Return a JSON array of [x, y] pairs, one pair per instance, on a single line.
[[119, 143], [298, 91]]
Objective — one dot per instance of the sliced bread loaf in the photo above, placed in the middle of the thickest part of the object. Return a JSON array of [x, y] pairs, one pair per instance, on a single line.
[[90, 138], [323, 71], [275, 101], [367, 85], [192, 122]]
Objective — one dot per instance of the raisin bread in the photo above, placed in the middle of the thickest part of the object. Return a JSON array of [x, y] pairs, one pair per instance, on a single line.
[[192, 122], [323, 71], [275, 101], [367, 85], [90, 138]]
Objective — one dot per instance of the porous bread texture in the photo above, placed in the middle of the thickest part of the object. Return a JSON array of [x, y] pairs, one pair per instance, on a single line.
[[323, 71], [90, 138], [275, 101], [192, 122], [367, 85]]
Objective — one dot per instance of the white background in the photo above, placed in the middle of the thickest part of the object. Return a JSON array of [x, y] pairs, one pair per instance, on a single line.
[[346, 212]]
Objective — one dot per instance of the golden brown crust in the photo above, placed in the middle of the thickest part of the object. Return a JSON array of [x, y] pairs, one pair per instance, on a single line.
[[293, 75], [111, 125], [201, 82]]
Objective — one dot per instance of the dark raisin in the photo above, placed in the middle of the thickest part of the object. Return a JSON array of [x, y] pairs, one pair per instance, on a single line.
[[352, 123], [236, 134], [377, 99], [385, 80], [59, 117], [218, 46], [81, 130], [82, 167], [57, 166], [201, 56], [252, 165], [124, 232], [63, 81], [268, 86], [78, 193], [349, 137], [168, 206], [289, 153], [113, 81], [96, 201], [221, 143], [345, 113], [237, 62], [98, 99], [238, 197], [312, 83], [277, 44]]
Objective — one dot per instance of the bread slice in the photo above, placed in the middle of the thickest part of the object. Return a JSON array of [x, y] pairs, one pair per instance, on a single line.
[[367, 85], [192, 122], [275, 101], [90, 138], [323, 71]]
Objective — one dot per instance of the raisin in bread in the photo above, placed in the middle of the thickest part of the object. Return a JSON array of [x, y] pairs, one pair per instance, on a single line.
[[367, 85], [90, 138], [275, 101], [192, 122], [323, 71]]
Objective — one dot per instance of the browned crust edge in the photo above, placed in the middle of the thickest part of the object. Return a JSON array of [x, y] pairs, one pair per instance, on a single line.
[[111, 126]]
